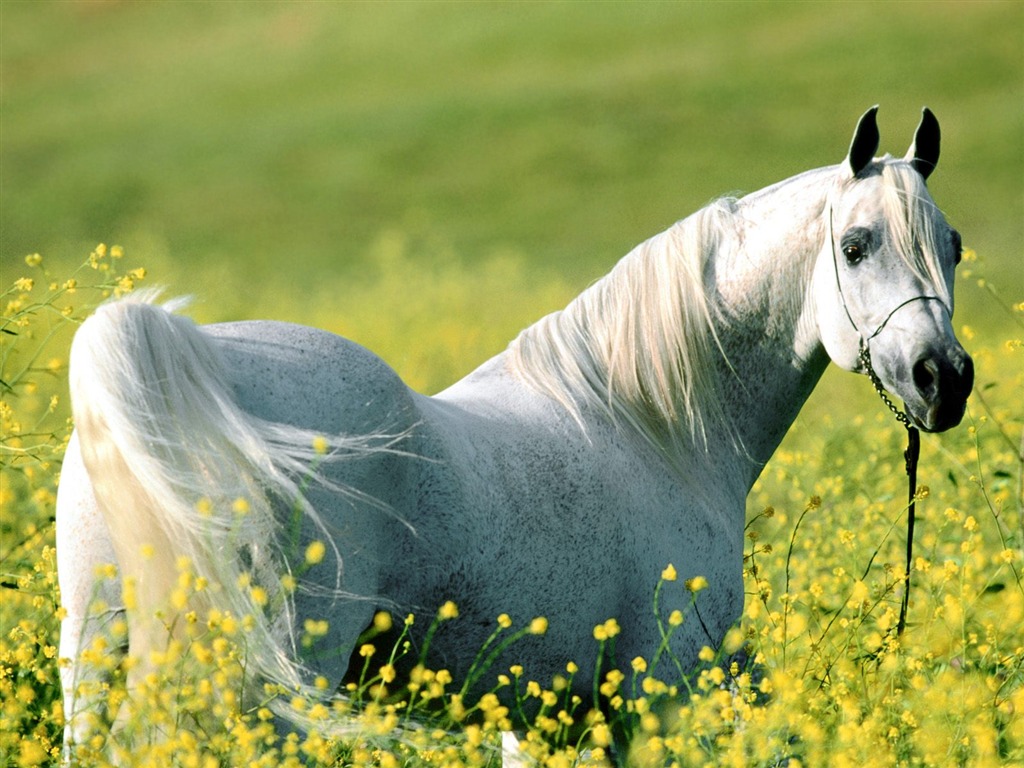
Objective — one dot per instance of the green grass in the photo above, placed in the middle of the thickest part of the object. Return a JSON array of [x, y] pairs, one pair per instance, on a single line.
[[265, 147]]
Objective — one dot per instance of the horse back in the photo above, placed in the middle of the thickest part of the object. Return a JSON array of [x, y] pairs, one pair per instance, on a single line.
[[312, 379]]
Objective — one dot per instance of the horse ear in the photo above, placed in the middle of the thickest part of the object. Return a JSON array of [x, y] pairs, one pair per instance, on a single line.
[[865, 141], [924, 152]]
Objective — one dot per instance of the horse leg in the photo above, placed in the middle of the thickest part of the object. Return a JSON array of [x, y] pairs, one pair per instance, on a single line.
[[90, 604]]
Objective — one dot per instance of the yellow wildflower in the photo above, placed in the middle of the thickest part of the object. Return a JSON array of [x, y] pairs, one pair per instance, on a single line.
[[315, 552], [696, 584]]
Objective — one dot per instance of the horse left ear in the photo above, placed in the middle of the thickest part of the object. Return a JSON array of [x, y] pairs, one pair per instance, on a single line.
[[865, 142], [924, 152]]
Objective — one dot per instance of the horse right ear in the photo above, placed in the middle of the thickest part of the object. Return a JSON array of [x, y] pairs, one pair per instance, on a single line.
[[924, 152], [865, 142]]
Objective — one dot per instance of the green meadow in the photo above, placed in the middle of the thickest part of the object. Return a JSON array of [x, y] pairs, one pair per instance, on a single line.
[[428, 179]]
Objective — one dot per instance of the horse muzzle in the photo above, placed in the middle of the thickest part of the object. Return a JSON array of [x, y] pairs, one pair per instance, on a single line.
[[941, 384]]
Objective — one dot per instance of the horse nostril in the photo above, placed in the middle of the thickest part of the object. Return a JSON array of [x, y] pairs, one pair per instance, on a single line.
[[966, 377], [926, 374]]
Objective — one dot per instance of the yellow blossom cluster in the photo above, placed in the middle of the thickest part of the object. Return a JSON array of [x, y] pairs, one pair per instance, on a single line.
[[815, 673]]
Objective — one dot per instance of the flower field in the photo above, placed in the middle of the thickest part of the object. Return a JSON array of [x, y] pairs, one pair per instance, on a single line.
[[815, 673], [429, 178]]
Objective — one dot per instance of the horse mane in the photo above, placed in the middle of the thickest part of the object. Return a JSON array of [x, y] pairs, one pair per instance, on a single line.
[[639, 345]]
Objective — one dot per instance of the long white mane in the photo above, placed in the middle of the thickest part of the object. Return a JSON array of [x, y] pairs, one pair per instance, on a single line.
[[639, 346]]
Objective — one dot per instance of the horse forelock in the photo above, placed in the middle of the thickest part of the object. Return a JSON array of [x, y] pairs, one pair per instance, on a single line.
[[915, 224], [639, 346]]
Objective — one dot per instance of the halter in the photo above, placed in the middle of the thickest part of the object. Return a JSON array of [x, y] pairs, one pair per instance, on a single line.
[[913, 450]]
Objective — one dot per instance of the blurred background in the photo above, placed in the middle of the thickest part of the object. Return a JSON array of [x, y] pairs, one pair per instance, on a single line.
[[428, 178]]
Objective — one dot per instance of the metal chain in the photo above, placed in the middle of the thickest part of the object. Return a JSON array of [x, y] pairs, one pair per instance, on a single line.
[[910, 457], [865, 361]]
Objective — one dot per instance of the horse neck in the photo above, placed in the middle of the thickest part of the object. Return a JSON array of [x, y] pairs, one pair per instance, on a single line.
[[773, 355]]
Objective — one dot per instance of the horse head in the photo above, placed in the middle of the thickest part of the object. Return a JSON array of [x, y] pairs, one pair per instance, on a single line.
[[883, 282]]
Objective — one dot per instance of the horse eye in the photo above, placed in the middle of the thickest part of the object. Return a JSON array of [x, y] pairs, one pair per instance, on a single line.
[[958, 247], [853, 253]]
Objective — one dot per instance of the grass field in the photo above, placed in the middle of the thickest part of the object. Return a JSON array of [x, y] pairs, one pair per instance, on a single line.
[[263, 149], [430, 178]]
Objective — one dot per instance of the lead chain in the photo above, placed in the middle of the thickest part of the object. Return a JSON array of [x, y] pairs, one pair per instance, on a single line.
[[910, 456], [865, 360]]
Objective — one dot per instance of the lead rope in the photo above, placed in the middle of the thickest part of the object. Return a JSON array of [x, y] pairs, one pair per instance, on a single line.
[[913, 451], [910, 457]]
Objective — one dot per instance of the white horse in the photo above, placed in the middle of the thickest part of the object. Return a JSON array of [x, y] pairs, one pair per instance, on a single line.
[[610, 439]]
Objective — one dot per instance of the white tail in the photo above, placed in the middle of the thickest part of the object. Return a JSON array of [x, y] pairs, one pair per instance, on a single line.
[[169, 451]]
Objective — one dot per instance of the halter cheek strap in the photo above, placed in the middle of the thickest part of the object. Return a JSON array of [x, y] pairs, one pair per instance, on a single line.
[[864, 352]]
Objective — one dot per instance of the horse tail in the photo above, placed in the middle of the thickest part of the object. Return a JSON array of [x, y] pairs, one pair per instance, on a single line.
[[188, 483]]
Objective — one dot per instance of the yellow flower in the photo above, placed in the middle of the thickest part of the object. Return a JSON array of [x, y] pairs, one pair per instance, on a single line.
[[228, 625], [860, 592], [33, 259], [696, 584], [31, 753], [675, 618], [315, 552], [106, 571], [639, 664], [504, 621], [538, 626], [382, 621], [669, 574], [240, 506], [320, 444], [318, 628], [448, 611]]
